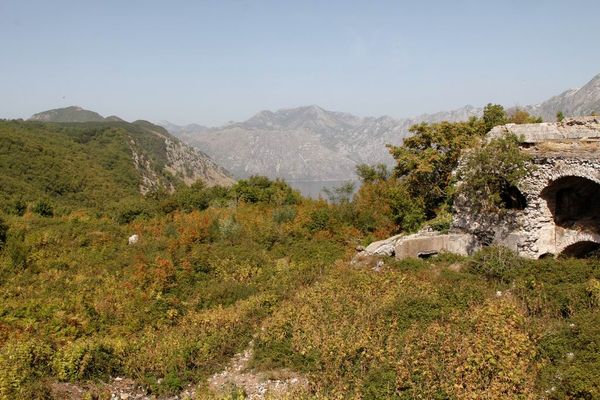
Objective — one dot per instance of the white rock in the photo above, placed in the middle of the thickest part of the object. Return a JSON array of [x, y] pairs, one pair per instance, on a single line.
[[384, 247], [133, 239]]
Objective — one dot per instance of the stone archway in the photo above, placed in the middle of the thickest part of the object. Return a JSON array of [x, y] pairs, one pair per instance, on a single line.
[[582, 249], [574, 202]]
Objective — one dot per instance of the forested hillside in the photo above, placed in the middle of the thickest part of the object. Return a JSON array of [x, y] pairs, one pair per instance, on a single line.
[[94, 164]]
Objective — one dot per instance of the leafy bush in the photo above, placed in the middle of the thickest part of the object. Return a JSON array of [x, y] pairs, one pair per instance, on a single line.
[[260, 189], [496, 262], [491, 172], [284, 214], [87, 359], [43, 208], [319, 219], [17, 251], [22, 364], [3, 233], [129, 210]]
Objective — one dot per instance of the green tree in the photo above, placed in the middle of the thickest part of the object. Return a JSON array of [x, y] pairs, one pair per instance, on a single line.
[[260, 189], [425, 161], [371, 173], [519, 116], [560, 116], [492, 172], [494, 114], [341, 194]]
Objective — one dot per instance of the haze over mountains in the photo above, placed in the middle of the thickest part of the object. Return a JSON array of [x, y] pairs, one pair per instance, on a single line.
[[313, 144]]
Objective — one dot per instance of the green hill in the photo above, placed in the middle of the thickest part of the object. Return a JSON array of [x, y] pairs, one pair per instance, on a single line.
[[68, 114], [92, 163]]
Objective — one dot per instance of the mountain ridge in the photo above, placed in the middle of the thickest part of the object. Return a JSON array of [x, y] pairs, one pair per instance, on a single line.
[[310, 143], [160, 158]]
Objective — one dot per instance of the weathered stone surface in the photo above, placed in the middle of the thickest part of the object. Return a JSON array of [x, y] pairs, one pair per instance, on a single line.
[[383, 247], [568, 129], [431, 243], [562, 190]]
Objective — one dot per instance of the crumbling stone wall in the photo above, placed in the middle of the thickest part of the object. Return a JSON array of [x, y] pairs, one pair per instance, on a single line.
[[567, 153]]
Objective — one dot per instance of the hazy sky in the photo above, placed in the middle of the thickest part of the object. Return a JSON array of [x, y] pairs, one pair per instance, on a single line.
[[214, 61]]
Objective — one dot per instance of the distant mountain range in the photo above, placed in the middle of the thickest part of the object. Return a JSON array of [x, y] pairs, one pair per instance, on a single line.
[[160, 159], [313, 144]]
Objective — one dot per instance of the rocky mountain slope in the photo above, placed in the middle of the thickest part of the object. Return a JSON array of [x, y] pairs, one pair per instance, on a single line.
[[310, 143], [161, 160], [573, 102]]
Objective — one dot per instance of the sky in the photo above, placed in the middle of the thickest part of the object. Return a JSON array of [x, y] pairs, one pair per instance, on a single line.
[[211, 62]]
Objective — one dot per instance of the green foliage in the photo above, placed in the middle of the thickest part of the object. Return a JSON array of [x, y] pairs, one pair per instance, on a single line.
[[319, 219], [574, 355], [442, 222], [218, 268], [22, 364], [407, 212], [78, 165], [560, 116], [260, 189], [17, 251], [43, 208], [493, 115], [426, 159], [128, 210], [284, 214], [87, 359], [371, 173], [340, 194], [496, 262], [519, 116], [491, 173], [3, 233]]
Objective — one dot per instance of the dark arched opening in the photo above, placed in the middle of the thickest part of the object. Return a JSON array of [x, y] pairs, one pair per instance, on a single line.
[[583, 249], [427, 254], [574, 202], [512, 198], [546, 256]]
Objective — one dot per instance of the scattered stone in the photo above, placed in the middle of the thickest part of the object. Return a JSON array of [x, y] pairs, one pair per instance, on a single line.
[[455, 267], [133, 239], [256, 385], [378, 266]]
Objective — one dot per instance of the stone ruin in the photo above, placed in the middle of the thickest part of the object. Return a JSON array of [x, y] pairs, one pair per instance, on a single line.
[[556, 207]]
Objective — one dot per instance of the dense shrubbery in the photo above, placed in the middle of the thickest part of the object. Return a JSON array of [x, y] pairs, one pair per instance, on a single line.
[[217, 268], [491, 173]]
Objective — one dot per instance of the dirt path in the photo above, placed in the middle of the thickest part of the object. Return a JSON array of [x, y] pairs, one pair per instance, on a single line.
[[255, 385]]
